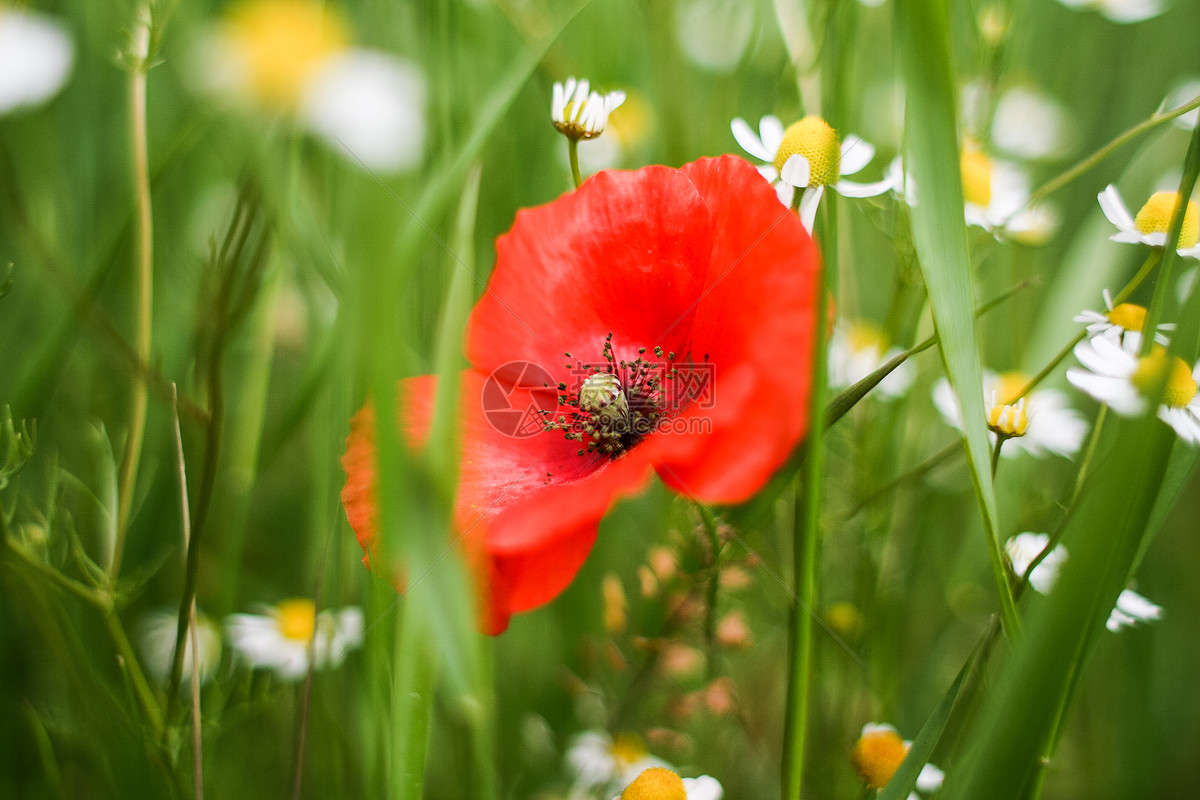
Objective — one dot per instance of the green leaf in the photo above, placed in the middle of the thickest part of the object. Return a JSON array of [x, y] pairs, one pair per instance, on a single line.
[[939, 233]]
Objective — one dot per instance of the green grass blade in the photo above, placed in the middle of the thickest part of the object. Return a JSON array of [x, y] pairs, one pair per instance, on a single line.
[[1007, 739], [905, 779], [931, 132]]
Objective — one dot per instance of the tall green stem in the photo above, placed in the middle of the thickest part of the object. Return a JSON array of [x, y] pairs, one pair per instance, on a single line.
[[806, 530], [144, 235]]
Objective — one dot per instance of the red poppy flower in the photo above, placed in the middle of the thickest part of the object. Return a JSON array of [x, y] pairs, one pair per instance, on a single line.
[[659, 320]]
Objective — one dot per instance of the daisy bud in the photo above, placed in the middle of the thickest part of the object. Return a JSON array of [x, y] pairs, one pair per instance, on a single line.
[[733, 632], [647, 583], [680, 660], [579, 113], [614, 604], [719, 696], [877, 754], [662, 561], [1008, 421]]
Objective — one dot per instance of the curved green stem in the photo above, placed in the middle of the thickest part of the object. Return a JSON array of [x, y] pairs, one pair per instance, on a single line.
[[1147, 267], [1053, 185]]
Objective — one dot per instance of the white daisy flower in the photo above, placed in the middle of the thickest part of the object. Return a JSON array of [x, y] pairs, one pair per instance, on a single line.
[[1119, 11], [858, 348], [660, 783], [36, 55], [1121, 380], [1122, 324], [1029, 124], [1183, 93], [879, 752], [596, 760], [994, 196], [370, 105], [280, 639], [1131, 609], [808, 156], [296, 56], [1051, 425], [579, 113], [1023, 548], [1150, 225], [156, 641]]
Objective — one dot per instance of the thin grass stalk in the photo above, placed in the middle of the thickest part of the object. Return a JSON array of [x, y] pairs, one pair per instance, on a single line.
[[185, 514]]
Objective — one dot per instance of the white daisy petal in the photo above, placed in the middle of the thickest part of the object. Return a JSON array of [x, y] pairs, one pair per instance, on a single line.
[[796, 172], [1115, 209], [808, 206], [856, 154], [930, 779], [705, 787], [770, 129], [745, 137], [852, 189]]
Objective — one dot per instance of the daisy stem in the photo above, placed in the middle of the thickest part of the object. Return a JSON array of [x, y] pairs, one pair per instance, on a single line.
[[806, 529], [1147, 267], [144, 236], [1053, 185], [996, 453], [1057, 534], [573, 152]]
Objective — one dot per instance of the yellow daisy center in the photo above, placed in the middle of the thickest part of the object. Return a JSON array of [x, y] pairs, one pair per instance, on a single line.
[[627, 748], [877, 756], [656, 783], [1155, 217], [865, 336], [1008, 420], [1008, 386], [976, 177], [812, 138], [1129, 316], [282, 42], [1181, 386], [297, 619]]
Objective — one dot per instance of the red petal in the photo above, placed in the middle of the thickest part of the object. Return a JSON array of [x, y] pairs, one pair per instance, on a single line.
[[528, 506], [624, 254], [755, 323]]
